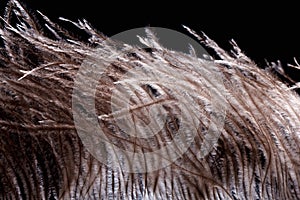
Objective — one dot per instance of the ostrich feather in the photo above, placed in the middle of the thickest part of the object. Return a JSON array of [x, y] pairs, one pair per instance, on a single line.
[[256, 156]]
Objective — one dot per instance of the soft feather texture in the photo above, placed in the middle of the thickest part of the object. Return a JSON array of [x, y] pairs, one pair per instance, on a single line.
[[41, 156]]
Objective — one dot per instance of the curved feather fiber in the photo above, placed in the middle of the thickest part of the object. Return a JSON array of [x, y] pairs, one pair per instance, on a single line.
[[41, 156]]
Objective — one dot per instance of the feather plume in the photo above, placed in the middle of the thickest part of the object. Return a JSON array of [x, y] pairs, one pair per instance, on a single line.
[[257, 155]]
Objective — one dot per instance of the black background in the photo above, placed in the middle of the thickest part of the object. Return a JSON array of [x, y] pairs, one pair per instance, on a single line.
[[264, 32]]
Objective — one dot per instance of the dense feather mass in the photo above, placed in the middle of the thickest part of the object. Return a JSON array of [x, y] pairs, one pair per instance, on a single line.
[[257, 155]]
